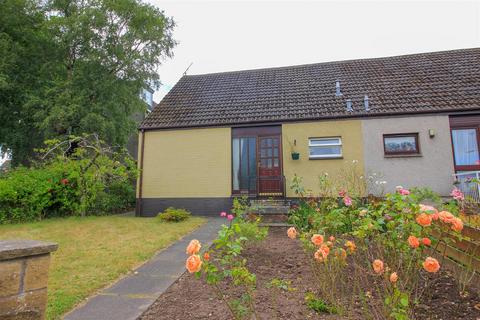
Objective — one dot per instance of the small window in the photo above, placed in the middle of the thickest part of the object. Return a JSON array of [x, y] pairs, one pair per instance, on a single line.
[[401, 144], [325, 148]]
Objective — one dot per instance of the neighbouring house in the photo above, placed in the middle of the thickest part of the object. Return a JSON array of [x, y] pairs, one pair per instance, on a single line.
[[413, 119], [147, 96]]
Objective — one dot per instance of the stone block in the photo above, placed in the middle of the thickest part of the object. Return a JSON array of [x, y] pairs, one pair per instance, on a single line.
[[36, 272], [10, 277], [29, 305]]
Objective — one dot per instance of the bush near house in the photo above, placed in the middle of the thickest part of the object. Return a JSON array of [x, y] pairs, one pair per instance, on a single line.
[[88, 179], [172, 214]]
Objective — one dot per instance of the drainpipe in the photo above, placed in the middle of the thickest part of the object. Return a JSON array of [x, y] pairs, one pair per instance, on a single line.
[[139, 206]]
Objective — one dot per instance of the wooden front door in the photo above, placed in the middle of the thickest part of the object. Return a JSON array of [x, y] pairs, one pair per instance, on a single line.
[[270, 181]]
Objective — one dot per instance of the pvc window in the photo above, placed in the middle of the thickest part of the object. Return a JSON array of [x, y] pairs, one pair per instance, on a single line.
[[325, 148]]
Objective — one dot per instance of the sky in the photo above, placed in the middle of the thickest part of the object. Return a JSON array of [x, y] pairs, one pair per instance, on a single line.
[[227, 35]]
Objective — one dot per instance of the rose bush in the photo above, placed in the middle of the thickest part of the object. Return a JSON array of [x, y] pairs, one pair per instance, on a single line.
[[389, 244], [222, 263]]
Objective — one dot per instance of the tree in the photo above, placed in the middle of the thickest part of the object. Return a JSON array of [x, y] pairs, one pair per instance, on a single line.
[[89, 60]]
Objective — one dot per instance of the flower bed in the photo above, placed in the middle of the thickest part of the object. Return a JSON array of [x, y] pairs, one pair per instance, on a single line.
[[345, 258], [281, 258]]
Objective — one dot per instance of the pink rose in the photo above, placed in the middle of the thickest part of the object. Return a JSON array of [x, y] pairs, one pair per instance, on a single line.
[[457, 194], [404, 192], [342, 193], [223, 214], [347, 200], [230, 217]]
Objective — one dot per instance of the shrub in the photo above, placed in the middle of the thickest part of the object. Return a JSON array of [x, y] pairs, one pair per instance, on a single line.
[[91, 179], [174, 215]]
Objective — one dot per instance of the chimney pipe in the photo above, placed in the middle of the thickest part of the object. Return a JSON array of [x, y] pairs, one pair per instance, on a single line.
[[338, 93], [366, 103], [349, 105]]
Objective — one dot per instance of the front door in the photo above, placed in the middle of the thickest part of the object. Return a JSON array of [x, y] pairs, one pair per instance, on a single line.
[[270, 182]]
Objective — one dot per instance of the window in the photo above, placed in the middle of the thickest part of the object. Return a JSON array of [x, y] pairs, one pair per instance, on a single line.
[[325, 148], [401, 144]]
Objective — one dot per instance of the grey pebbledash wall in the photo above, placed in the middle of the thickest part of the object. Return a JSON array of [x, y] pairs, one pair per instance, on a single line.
[[433, 168]]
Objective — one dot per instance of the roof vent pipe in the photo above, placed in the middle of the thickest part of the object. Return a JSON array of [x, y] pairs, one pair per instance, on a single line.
[[366, 104], [338, 93], [349, 105]]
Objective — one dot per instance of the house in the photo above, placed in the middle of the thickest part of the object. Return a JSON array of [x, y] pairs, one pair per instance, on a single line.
[[146, 95], [414, 118]]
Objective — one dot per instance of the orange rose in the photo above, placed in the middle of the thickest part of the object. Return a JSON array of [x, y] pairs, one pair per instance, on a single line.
[[431, 265], [292, 233], [317, 239], [325, 248], [341, 253], [457, 224], [424, 219], [194, 263], [435, 216], [426, 241], [350, 246], [413, 242], [393, 277], [378, 266], [320, 255], [446, 216], [206, 256], [193, 247]]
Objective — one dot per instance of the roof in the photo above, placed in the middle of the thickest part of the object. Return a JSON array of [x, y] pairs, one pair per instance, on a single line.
[[416, 83]]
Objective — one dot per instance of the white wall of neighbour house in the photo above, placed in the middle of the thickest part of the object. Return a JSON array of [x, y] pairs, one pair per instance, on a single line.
[[433, 168]]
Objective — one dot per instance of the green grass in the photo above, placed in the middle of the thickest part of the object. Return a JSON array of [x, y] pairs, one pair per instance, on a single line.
[[94, 251]]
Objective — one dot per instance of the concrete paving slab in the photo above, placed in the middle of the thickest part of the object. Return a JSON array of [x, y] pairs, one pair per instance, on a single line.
[[131, 296], [111, 307], [142, 285]]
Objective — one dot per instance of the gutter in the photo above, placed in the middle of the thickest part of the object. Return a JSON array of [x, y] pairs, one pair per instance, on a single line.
[[139, 204]]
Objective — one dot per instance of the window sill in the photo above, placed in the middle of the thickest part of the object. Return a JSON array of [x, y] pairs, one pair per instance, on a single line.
[[329, 158], [417, 155]]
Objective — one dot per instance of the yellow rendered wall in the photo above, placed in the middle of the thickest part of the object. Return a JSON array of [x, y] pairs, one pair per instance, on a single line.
[[352, 148], [187, 163]]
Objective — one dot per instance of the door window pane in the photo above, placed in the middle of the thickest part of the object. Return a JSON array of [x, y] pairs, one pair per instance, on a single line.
[[465, 146], [244, 163], [236, 163]]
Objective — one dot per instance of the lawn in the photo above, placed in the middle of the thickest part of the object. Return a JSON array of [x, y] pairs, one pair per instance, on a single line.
[[94, 251]]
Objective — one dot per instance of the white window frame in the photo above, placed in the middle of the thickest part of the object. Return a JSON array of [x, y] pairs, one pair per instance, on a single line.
[[320, 145]]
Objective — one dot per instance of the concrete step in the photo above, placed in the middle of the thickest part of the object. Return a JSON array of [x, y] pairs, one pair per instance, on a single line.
[[274, 218], [276, 224], [269, 202], [261, 210]]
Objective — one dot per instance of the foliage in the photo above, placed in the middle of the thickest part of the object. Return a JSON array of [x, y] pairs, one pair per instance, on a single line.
[[174, 215], [318, 305], [75, 67], [92, 179], [379, 243]]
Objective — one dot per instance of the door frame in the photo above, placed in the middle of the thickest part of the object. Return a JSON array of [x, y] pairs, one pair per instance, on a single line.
[[256, 131], [459, 123]]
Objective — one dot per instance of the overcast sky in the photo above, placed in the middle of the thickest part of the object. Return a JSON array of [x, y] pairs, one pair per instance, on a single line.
[[236, 35]]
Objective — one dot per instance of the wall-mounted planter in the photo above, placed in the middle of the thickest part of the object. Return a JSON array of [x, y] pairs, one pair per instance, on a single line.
[[295, 155]]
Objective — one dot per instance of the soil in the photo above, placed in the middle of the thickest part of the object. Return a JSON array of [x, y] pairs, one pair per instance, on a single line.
[[281, 258]]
